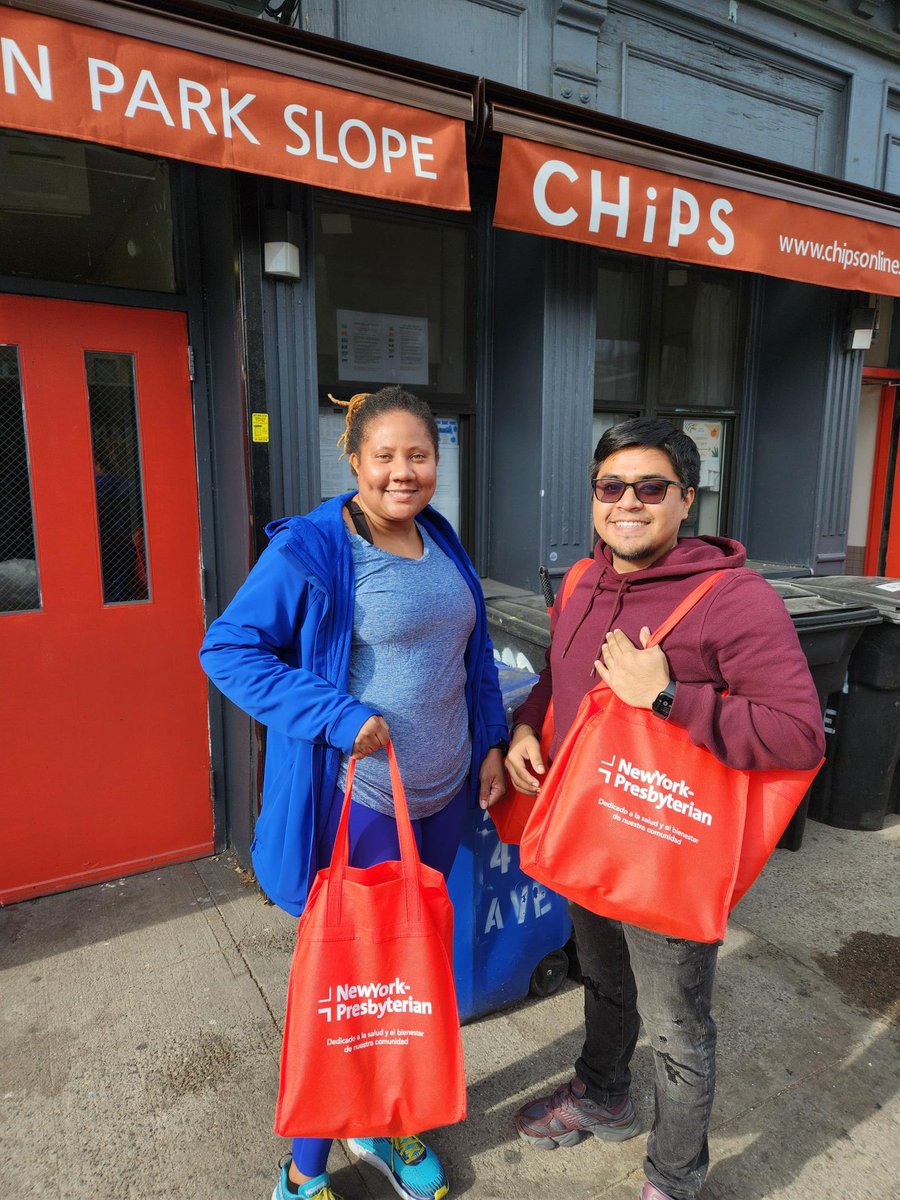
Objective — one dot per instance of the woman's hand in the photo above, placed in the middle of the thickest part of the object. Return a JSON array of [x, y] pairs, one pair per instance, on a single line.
[[373, 736], [525, 753], [492, 778]]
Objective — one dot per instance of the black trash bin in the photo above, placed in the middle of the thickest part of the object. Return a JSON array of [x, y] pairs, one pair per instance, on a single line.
[[520, 630], [778, 570], [859, 784], [828, 630]]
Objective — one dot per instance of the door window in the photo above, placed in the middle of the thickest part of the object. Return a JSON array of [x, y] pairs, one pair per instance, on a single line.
[[117, 476], [19, 586]]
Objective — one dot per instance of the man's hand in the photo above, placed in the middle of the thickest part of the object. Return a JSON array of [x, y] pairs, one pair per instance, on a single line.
[[492, 779], [525, 753], [373, 736], [637, 676]]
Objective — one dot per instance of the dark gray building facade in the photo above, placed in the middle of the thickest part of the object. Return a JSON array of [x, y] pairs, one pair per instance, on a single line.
[[526, 346]]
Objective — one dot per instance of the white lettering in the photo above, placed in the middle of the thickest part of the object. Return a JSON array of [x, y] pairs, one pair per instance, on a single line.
[[186, 87], [230, 115], [353, 123], [500, 857], [726, 245], [290, 112], [494, 917], [553, 166], [321, 154], [389, 137], [40, 81], [416, 141], [146, 82], [542, 904], [618, 208], [519, 897], [647, 789], [650, 219], [678, 227], [117, 84]]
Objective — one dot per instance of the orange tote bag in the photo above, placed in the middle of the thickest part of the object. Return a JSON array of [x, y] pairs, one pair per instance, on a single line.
[[512, 812], [371, 1010], [637, 823]]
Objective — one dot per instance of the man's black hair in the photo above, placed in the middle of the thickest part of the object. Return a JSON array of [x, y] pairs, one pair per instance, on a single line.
[[651, 433]]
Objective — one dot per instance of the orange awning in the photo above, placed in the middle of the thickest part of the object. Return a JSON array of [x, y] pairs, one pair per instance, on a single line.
[[72, 80], [584, 187]]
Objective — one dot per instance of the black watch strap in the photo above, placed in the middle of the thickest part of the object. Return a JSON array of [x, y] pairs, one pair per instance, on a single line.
[[662, 705], [502, 746]]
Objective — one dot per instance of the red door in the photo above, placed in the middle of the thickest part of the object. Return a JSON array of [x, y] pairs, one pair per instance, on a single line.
[[105, 764], [883, 537]]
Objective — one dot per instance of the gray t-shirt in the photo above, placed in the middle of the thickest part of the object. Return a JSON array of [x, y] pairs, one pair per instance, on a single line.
[[412, 618]]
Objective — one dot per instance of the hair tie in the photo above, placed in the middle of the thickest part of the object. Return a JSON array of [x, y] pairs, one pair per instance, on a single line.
[[352, 406]]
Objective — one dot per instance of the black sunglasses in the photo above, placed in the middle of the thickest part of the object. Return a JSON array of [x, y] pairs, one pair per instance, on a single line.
[[648, 491]]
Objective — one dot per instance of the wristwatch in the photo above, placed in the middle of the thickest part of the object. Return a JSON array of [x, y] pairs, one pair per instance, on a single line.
[[662, 705], [503, 747]]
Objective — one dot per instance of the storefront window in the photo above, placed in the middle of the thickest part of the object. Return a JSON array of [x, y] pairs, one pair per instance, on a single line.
[[77, 213], [712, 439], [604, 421], [393, 307], [669, 344], [618, 353], [699, 352], [391, 303]]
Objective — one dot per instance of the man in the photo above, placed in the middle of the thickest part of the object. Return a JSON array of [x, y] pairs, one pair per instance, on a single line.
[[738, 638]]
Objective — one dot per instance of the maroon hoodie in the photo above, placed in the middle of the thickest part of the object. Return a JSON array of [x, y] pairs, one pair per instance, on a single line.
[[739, 637]]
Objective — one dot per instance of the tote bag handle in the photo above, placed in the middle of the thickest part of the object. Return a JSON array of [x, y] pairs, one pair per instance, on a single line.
[[684, 608], [409, 851]]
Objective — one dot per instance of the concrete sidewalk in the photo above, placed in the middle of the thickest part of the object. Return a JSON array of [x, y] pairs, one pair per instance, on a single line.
[[142, 1022]]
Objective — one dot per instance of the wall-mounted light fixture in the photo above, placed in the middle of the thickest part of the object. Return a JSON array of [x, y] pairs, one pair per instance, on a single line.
[[860, 332], [281, 245]]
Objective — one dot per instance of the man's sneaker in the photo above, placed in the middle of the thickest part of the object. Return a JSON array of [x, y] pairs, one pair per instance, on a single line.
[[316, 1189], [414, 1170], [567, 1116], [651, 1192]]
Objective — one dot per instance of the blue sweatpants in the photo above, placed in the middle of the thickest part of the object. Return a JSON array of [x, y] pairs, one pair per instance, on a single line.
[[373, 839]]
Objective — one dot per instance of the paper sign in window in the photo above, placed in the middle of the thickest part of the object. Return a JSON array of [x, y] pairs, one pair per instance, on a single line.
[[382, 347]]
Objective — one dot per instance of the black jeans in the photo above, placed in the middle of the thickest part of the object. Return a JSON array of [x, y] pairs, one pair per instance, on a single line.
[[630, 975]]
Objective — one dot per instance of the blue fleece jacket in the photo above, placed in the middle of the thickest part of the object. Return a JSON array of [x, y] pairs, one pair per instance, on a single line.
[[281, 652]]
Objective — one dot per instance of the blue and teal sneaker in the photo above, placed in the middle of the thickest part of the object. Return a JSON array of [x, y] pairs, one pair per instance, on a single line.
[[414, 1171], [316, 1189]]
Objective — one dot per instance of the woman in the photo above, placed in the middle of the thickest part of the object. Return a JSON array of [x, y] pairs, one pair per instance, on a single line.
[[364, 621]]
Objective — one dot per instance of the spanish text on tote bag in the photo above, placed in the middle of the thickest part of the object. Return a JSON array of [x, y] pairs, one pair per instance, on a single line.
[[637, 823], [371, 1006]]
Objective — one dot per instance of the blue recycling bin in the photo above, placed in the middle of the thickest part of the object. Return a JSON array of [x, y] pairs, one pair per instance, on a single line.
[[510, 933]]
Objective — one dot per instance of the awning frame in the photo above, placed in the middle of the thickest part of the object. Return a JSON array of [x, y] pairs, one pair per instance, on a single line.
[[637, 145]]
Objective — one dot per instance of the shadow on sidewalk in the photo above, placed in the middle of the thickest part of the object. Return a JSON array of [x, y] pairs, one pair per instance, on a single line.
[[49, 925]]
